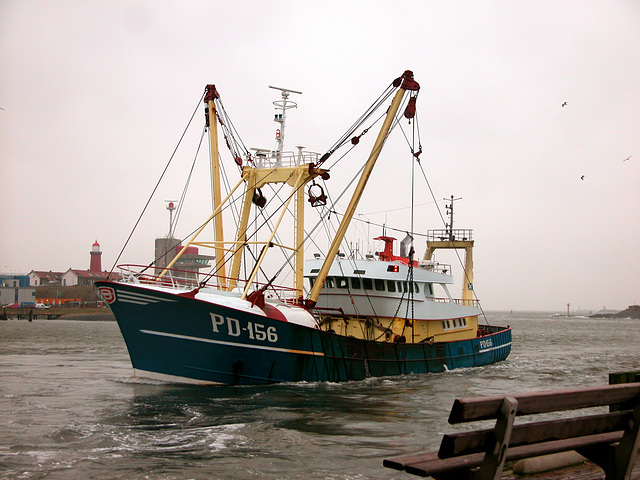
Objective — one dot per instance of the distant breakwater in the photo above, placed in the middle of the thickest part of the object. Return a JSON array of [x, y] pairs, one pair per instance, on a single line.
[[633, 311]]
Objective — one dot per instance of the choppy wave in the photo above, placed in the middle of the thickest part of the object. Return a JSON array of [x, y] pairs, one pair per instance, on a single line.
[[71, 408]]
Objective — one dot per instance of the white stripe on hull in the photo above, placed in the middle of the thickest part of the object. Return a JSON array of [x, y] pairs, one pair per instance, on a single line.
[[231, 344], [494, 348], [140, 298]]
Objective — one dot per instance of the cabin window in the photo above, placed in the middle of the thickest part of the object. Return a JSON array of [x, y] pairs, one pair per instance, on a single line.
[[342, 282], [405, 287], [367, 283], [379, 284], [355, 283], [416, 287], [391, 286], [330, 283], [312, 280]]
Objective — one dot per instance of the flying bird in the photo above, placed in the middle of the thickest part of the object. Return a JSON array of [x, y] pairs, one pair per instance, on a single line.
[[627, 158], [582, 177], [564, 104]]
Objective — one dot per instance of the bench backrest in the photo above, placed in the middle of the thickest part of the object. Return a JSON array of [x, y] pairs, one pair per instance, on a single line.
[[597, 427], [484, 408]]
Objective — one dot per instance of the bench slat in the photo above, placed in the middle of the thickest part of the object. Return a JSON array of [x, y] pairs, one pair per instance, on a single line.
[[483, 408], [428, 466], [556, 446], [400, 462], [472, 442]]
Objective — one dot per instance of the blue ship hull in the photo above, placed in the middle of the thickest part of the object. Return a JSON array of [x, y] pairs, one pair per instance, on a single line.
[[177, 338]]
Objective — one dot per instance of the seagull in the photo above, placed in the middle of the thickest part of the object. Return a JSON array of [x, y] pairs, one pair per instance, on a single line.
[[627, 158], [582, 177], [564, 104]]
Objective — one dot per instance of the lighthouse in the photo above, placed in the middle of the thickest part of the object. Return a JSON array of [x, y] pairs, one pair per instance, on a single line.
[[96, 258]]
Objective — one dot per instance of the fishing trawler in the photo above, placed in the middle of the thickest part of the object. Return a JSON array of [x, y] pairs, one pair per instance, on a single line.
[[346, 317]]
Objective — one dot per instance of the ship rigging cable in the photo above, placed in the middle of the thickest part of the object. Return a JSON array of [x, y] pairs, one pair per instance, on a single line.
[[186, 186], [155, 188]]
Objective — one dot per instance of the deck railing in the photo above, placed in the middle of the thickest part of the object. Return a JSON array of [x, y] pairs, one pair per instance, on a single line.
[[455, 235], [269, 159], [434, 266], [458, 301], [188, 280]]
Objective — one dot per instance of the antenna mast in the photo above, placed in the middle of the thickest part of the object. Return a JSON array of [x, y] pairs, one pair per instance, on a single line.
[[450, 213], [283, 105]]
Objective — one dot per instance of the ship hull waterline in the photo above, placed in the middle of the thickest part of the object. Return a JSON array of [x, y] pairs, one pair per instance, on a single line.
[[179, 339]]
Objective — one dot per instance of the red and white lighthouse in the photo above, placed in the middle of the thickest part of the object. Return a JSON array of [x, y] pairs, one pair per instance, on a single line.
[[96, 258]]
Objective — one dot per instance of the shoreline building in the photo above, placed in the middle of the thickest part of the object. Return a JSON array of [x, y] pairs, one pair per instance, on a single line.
[[16, 289], [168, 247], [189, 263], [39, 278]]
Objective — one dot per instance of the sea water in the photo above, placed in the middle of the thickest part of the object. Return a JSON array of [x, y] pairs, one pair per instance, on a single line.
[[71, 409]]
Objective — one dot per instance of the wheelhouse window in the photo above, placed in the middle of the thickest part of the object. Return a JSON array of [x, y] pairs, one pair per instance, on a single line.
[[391, 286], [342, 282], [379, 284], [367, 283], [330, 283], [454, 324], [355, 283]]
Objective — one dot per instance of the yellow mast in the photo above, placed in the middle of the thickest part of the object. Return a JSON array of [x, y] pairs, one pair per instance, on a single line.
[[296, 177], [454, 239], [210, 94], [407, 84], [299, 240], [273, 233], [242, 229], [456, 243]]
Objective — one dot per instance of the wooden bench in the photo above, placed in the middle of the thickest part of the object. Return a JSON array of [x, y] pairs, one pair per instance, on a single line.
[[608, 439]]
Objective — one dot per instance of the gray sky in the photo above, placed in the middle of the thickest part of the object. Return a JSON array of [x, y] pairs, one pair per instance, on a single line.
[[95, 95]]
